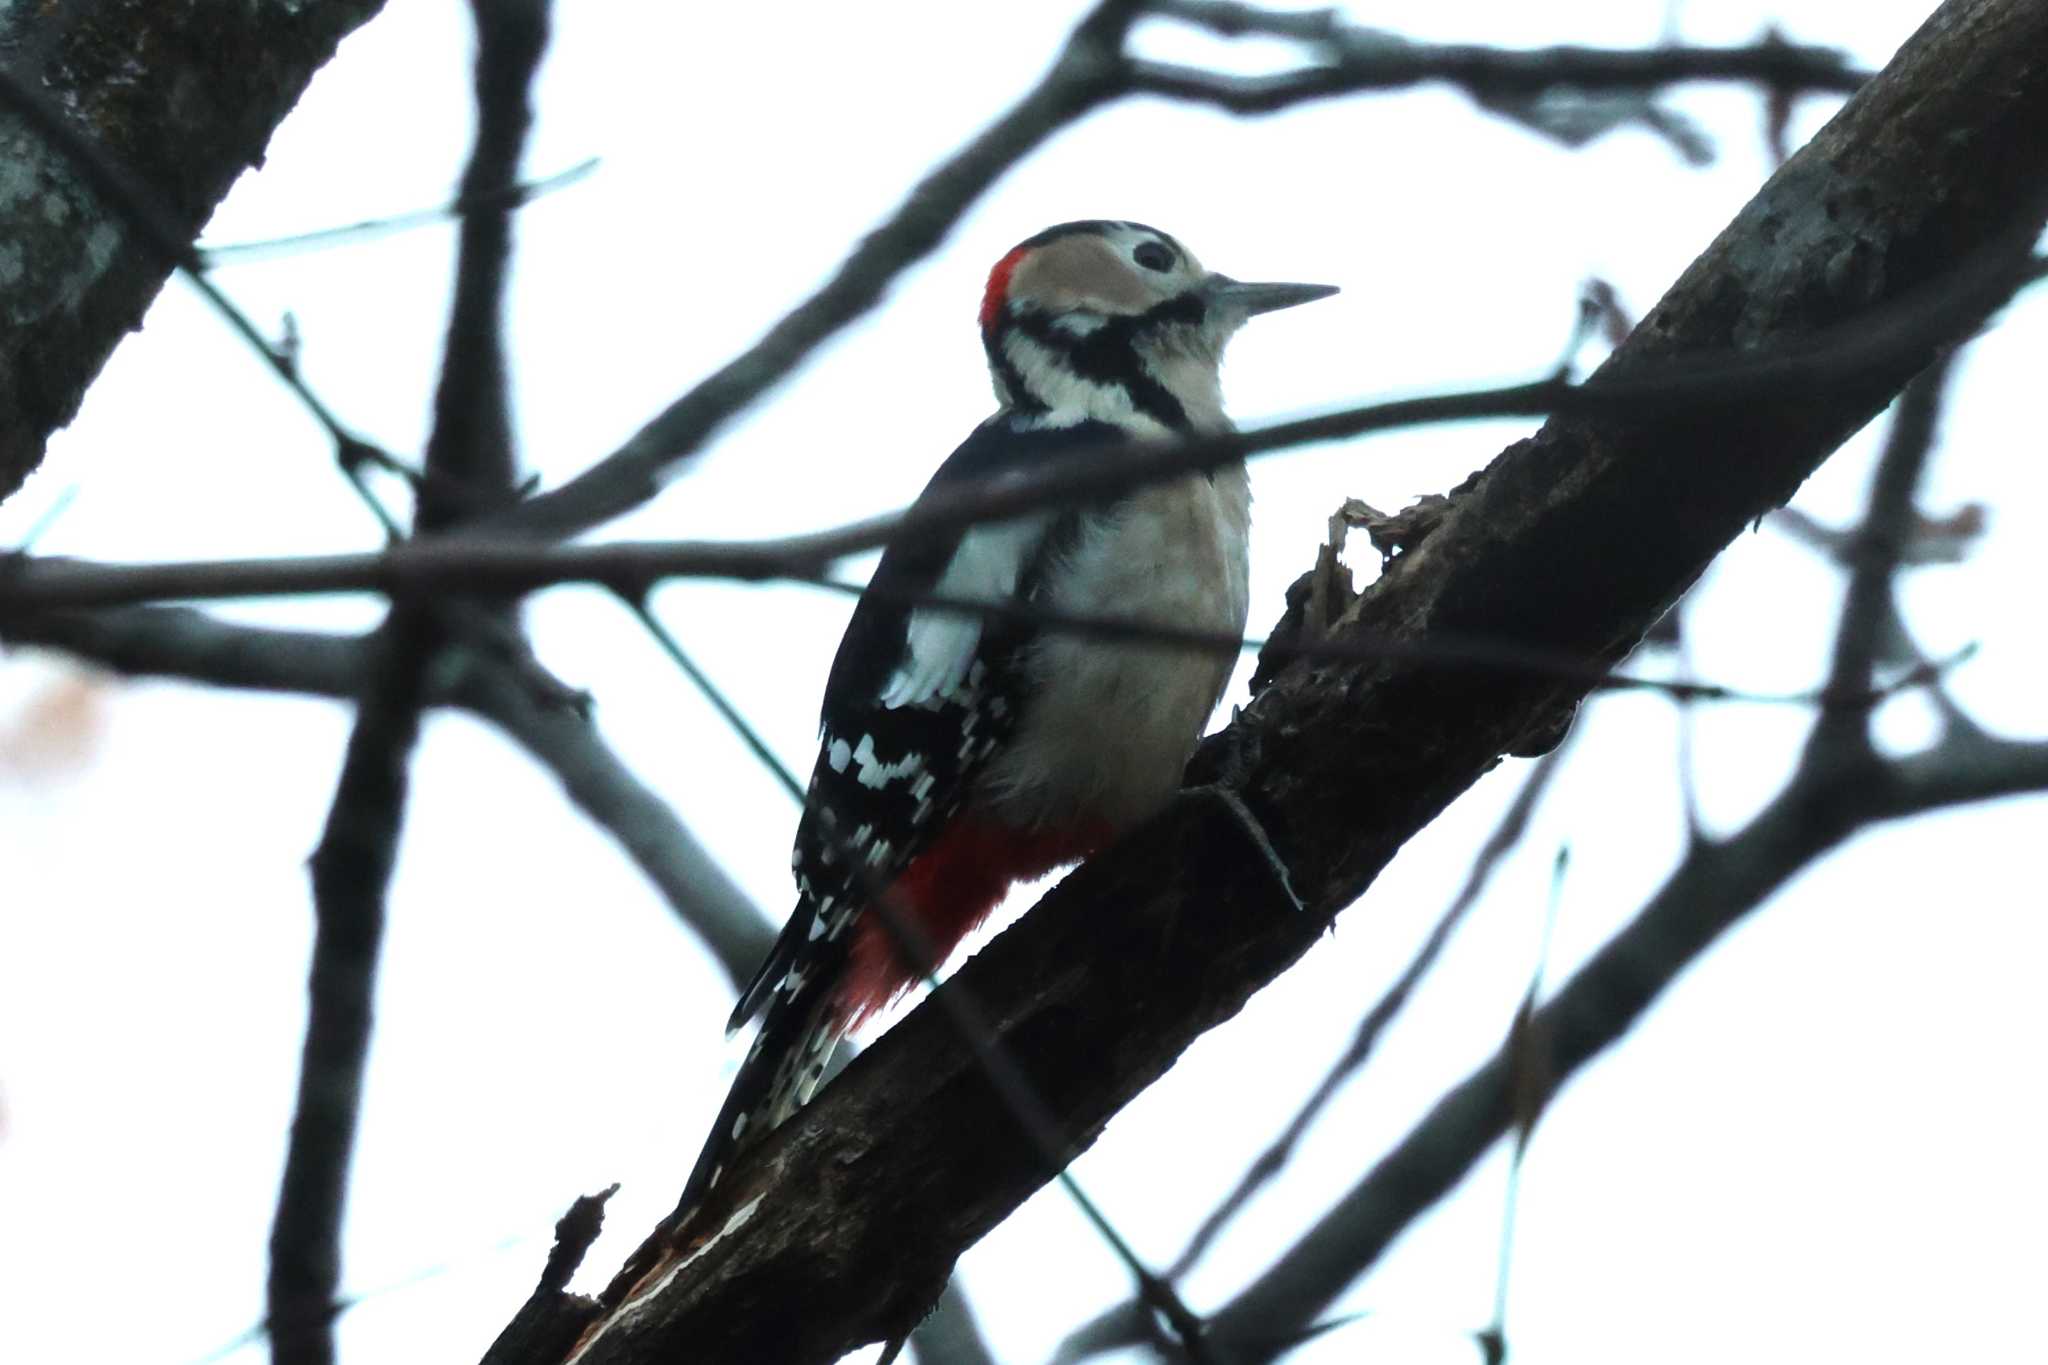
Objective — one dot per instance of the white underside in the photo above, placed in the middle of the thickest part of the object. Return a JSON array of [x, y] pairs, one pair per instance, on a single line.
[[1109, 725]]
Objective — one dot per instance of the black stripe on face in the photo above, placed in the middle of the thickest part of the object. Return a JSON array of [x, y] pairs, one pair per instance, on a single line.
[[1021, 397], [1109, 355], [1183, 310]]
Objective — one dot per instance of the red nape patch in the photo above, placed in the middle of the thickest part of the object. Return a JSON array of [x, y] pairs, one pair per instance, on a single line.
[[998, 291], [945, 892]]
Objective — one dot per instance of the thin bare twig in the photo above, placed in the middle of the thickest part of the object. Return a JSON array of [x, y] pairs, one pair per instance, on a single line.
[[1356, 59], [1086, 73], [1360, 646], [548, 1322], [1092, 69], [599, 784], [1492, 655], [1716, 886], [1840, 786], [1869, 608], [172, 244], [213, 257], [1506, 836], [185, 644], [1035, 1120], [715, 695], [1126, 1323], [1881, 340], [1533, 1086], [951, 1336]]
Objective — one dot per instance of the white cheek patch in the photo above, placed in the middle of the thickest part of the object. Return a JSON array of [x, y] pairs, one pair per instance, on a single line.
[[940, 645]]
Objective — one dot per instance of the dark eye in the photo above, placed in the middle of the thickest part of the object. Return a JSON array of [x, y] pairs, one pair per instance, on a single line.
[[1153, 256]]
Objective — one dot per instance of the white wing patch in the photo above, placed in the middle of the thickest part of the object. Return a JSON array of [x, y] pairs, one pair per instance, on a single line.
[[873, 771], [940, 645]]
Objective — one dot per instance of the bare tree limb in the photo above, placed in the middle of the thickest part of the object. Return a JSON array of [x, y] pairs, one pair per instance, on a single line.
[[605, 790], [1356, 59], [1839, 770], [351, 869], [550, 1319], [1093, 69], [1127, 1323], [470, 446], [1085, 74], [1514, 823], [1933, 160], [66, 626], [1715, 887], [1869, 610], [188, 645], [1868, 340]]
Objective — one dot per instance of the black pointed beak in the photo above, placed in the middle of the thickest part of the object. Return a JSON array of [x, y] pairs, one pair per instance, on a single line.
[[1253, 299]]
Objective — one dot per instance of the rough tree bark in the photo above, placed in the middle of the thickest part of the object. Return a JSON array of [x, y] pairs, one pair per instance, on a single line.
[[179, 95], [845, 1225]]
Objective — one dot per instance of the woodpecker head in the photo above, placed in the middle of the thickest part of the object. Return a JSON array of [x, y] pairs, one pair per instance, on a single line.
[[1117, 321]]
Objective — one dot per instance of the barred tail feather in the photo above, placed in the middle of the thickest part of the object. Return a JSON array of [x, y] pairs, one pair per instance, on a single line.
[[800, 1027]]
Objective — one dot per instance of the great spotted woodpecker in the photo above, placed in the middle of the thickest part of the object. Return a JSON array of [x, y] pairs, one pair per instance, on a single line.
[[961, 754]]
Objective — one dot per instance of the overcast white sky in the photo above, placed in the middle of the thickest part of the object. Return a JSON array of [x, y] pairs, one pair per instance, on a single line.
[[1823, 1143]]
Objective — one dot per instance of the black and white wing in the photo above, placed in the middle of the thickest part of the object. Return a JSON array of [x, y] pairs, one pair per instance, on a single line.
[[917, 698]]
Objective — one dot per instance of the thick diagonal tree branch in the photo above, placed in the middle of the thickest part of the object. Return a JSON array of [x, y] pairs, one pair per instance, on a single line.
[[1514, 823], [1576, 539], [1840, 786], [1715, 887], [1128, 1323], [184, 94]]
